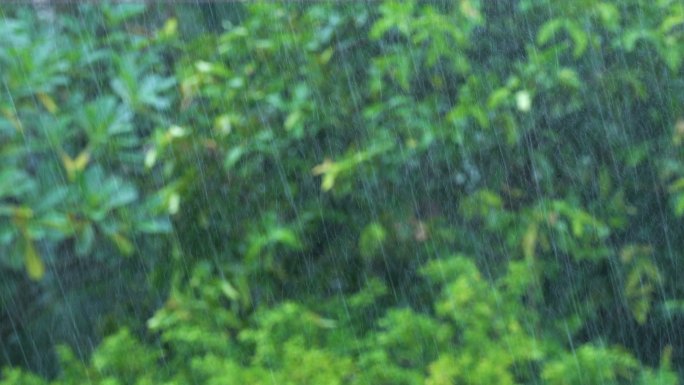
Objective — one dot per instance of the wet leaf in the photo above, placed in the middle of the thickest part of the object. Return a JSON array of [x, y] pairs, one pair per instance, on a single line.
[[34, 264]]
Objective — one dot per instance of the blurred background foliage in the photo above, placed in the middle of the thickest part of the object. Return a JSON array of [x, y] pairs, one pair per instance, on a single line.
[[395, 192]]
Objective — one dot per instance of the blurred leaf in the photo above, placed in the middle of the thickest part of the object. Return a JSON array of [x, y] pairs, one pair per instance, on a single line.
[[34, 264], [122, 243], [372, 238], [85, 238]]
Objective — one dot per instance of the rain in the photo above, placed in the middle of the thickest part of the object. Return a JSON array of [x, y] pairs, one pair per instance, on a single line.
[[418, 192]]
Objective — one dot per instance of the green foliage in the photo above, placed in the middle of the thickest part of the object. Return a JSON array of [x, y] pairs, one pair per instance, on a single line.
[[418, 192], [73, 190], [478, 334]]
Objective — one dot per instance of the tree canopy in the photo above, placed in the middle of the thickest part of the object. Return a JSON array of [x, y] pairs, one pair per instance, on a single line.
[[393, 192]]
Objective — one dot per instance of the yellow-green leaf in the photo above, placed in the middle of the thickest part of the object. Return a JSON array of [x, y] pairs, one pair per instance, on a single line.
[[529, 241], [74, 166], [122, 243], [47, 102], [34, 264]]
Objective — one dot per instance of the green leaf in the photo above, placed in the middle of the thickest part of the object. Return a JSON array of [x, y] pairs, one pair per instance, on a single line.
[[285, 236], [154, 226], [85, 239], [233, 156], [579, 38], [548, 31], [372, 238], [122, 243], [121, 194], [34, 264]]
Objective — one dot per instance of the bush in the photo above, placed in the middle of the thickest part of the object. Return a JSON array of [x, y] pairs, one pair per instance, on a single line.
[[294, 185]]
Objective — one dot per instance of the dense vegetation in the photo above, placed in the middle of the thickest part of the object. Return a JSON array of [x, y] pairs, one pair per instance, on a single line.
[[466, 192]]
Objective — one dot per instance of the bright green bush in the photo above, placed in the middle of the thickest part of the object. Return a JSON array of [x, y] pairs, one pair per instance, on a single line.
[[279, 200], [478, 334]]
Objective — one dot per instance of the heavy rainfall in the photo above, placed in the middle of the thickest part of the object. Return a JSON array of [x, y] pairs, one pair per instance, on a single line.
[[481, 192]]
